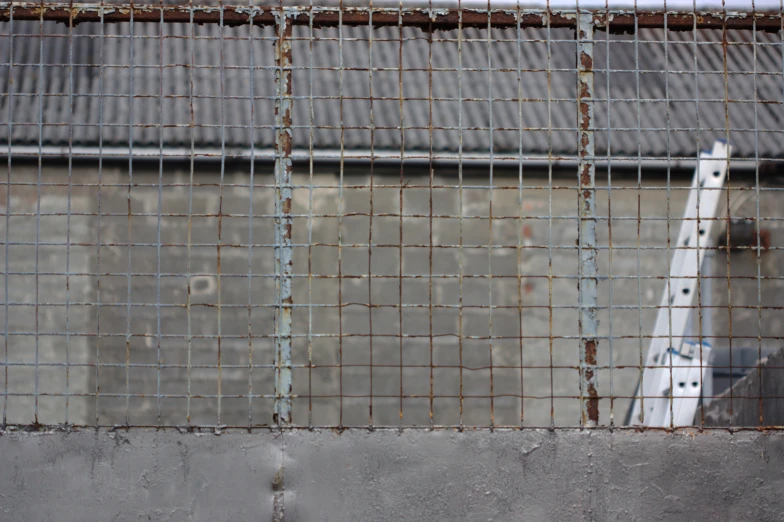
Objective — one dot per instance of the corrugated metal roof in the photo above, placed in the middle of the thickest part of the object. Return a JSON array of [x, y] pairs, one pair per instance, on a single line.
[[337, 85]]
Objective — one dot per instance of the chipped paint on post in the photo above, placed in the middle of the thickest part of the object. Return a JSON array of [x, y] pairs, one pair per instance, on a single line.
[[588, 322], [283, 222]]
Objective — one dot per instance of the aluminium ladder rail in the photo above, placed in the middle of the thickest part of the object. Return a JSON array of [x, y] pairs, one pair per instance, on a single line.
[[676, 367]]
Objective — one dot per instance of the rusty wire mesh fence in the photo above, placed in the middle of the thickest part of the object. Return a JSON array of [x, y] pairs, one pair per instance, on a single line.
[[334, 217]]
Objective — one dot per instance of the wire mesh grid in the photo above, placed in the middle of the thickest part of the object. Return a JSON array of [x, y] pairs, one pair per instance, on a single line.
[[333, 217]]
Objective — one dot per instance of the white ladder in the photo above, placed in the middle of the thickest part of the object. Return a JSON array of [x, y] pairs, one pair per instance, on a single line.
[[676, 367]]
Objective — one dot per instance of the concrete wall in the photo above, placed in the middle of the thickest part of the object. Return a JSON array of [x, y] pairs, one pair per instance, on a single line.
[[389, 475], [114, 344]]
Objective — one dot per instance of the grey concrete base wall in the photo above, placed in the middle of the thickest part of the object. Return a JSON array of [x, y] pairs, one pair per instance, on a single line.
[[388, 475]]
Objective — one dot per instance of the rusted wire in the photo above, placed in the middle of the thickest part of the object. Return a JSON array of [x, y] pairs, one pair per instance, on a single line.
[[377, 217]]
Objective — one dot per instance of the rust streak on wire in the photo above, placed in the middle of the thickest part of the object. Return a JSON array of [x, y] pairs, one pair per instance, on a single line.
[[619, 21]]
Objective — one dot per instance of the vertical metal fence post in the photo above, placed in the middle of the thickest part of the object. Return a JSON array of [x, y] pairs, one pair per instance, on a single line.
[[283, 222], [588, 321]]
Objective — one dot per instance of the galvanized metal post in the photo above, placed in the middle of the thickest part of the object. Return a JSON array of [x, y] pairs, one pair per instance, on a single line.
[[283, 222], [588, 321]]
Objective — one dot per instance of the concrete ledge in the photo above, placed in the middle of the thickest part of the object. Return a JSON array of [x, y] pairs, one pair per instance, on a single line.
[[136, 475], [386, 475]]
